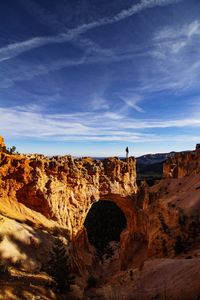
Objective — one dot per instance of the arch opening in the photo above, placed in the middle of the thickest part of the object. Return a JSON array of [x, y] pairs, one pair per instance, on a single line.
[[104, 223]]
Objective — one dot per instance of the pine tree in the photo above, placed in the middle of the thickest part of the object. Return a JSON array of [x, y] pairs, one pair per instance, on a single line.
[[3, 264], [59, 267], [12, 150]]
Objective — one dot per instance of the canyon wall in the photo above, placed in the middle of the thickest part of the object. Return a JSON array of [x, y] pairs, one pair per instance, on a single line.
[[182, 164], [163, 221], [63, 188]]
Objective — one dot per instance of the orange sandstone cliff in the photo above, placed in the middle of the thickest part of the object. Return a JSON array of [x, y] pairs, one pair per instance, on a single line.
[[63, 188], [182, 164], [44, 198]]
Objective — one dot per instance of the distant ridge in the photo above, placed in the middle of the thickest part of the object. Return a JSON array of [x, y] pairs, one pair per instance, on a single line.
[[154, 158]]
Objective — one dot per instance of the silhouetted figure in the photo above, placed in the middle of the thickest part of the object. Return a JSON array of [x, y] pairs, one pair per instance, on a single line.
[[127, 152]]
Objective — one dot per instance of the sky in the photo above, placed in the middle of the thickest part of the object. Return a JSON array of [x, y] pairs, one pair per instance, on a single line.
[[90, 77]]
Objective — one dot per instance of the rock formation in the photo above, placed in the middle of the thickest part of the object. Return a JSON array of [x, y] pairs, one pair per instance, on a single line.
[[2, 144], [43, 198], [182, 164], [63, 188]]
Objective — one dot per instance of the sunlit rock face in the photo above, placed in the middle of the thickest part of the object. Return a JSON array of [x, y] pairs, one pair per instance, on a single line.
[[2, 144], [44, 198], [62, 188], [182, 164]]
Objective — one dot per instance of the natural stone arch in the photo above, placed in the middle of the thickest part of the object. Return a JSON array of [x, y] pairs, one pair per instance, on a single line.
[[126, 204], [104, 223], [63, 189], [133, 243], [133, 237]]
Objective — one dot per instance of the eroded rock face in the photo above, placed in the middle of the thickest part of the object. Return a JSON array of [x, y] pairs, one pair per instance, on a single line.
[[63, 188], [161, 221], [182, 164]]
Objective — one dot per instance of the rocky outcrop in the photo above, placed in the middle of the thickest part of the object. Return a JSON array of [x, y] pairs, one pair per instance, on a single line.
[[2, 144], [63, 188], [56, 194], [182, 164]]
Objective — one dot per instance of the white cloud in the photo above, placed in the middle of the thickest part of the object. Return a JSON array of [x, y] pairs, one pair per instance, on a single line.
[[11, 75], [174, 76], [12, 50], [112, 116], [86, 126], [175, 38], [143, 4], [175, 65], [132, 100], [15, 49], [174, 32], [99, 103], [27, 72], [92, 47], [33, 108]]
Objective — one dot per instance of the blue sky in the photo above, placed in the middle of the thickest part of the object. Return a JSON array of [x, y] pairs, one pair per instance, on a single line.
[[91, 77]]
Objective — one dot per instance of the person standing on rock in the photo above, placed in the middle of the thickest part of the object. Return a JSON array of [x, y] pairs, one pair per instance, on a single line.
[[127, 152]]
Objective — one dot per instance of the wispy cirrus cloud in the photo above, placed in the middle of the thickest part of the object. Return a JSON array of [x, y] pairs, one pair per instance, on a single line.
[[28, 71], [174, 32], [174, 66], [99, 103], [15, 49], [131, 100], [174, 38], [30, 108], [174, 76], [174, 71], [44, 16], [84, 126]]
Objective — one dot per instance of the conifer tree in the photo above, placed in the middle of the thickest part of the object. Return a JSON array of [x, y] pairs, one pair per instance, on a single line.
[[59, 267]]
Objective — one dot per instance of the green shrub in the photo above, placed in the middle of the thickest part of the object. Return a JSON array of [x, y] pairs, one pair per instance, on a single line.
[[11, 150]]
